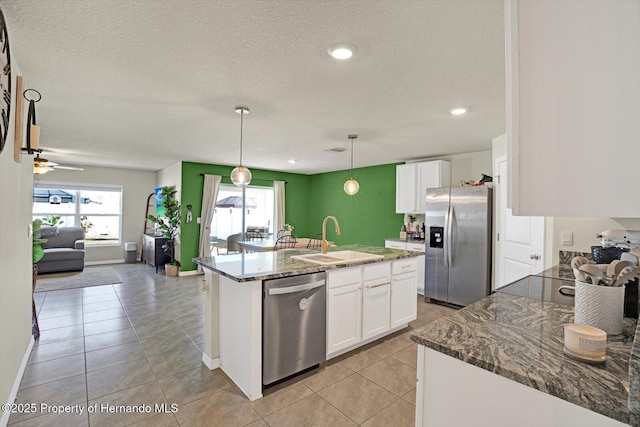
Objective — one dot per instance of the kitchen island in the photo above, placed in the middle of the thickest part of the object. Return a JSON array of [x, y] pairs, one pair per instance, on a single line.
[[234, 303], [502, 359]]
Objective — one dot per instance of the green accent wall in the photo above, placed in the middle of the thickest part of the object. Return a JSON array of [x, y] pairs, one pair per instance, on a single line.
[[366, 218], [296, 201]]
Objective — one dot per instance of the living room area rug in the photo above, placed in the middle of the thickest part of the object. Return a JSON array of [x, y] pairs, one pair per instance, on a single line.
[[90, 276]]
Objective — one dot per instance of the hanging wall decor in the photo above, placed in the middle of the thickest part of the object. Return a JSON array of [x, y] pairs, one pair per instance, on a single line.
[[5, 81], [33, 131]]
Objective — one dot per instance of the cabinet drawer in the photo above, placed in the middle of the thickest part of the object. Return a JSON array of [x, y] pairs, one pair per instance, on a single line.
[[418, 247], [404, 265], [381, 270], [344, 277], [392, 244]]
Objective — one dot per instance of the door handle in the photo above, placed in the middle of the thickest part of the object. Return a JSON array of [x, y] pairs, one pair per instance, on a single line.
[[445, 241], [450, 236], [534, 256]]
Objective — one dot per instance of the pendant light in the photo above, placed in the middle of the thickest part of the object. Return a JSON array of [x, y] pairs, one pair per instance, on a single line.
[[351, 186], [240, 175]]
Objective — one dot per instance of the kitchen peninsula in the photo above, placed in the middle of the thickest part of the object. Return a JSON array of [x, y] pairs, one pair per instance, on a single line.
[[366, 299], [503, 357]]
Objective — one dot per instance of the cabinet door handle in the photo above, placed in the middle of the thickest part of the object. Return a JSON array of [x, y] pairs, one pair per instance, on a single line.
[[375, 283], [369, 286]]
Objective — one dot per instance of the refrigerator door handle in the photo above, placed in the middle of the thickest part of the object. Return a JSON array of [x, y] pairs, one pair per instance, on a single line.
[[445, 241], [452, 214]]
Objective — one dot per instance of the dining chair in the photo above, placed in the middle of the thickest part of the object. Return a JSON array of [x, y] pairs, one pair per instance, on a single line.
[[285, 242], [253, 235], [281, 233], [232, 243], [315, 241], [213, 244]]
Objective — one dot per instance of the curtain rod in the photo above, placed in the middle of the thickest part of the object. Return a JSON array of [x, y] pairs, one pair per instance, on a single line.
[[256, 179]]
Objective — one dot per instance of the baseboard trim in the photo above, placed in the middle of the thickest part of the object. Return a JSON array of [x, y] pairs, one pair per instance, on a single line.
[[16, 384], [209, 362], [106, 261], [189, 273]]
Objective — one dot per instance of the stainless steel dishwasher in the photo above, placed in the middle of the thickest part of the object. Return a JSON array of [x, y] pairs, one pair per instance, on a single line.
[[293, 325]]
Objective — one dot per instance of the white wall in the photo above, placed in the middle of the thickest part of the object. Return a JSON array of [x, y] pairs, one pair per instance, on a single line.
[[584, 231], [16, 189], [136, 187], [172, 176]]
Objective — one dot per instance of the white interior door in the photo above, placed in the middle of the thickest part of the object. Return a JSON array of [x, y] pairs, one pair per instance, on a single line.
[[520, 239]]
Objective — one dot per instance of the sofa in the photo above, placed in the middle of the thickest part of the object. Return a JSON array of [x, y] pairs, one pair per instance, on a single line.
[[63, 250]]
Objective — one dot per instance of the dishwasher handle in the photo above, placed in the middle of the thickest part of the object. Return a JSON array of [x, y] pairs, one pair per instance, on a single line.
[[296, 288]]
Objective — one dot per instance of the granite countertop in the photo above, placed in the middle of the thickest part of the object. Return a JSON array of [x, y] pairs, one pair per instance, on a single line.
[[522, 339], [559, 271], [273, 265]]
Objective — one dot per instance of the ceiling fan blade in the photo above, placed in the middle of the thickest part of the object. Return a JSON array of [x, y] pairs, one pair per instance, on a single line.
[[69, 168]]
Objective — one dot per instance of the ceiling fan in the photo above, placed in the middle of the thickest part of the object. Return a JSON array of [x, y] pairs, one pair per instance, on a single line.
[[42, 166]]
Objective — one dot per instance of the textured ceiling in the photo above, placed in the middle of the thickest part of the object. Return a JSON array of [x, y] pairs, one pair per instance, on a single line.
[[143, 84]]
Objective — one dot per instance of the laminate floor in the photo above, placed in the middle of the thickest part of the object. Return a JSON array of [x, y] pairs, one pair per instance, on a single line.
[[108, 354]]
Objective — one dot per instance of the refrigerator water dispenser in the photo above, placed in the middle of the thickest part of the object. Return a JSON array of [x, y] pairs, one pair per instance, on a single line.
[[435, 237]]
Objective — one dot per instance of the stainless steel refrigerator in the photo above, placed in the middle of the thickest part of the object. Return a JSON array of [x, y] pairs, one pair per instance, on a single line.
[[458, 244]]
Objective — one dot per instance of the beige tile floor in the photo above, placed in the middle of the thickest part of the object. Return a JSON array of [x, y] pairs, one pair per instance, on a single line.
[[139, 343]]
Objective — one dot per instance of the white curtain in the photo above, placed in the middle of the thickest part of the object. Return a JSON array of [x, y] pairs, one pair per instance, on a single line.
[[209, 197], [278, 205]]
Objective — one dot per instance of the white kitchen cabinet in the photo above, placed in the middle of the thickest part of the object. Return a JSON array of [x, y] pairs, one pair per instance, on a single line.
[[572, 107], [412, 181], [439, 393], [375, 309], [403, 299], [394, 244], [403, 291], [420, 275], [344, 309], [376, 299]]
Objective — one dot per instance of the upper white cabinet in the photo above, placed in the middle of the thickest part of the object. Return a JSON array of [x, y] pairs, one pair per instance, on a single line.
[[412, 181], [573, 110]]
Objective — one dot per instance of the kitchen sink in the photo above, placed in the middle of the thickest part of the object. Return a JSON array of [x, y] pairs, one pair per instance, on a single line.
[[337, 257]]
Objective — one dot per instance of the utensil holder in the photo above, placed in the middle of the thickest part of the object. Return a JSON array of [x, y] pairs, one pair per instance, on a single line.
[[600, 306]]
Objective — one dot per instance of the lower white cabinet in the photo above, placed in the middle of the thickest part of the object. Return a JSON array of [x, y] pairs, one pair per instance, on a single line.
[[367, 302], [375, 309], [403, 298], [344, 308], [394, 244]]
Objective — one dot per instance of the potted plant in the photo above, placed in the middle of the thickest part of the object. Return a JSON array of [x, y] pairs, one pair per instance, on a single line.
[[288, 228], [169, 224], [52, 221], [37, 254]]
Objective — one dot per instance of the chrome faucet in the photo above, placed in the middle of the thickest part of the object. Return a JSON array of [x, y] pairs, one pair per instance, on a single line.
[[325, 244]]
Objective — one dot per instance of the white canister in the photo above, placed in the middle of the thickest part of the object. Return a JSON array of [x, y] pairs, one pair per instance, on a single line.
[[599, 306]]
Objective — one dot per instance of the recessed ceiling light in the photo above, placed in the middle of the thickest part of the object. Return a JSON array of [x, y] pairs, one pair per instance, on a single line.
[[292, 161], [342, 51], [458, 111]]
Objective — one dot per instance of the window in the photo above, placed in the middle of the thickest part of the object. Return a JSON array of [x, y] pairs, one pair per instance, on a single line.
[[227, 219], [97, 209]]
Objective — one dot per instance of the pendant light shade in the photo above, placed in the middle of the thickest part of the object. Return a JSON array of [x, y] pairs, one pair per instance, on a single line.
[[241, 175], [351, 186]]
